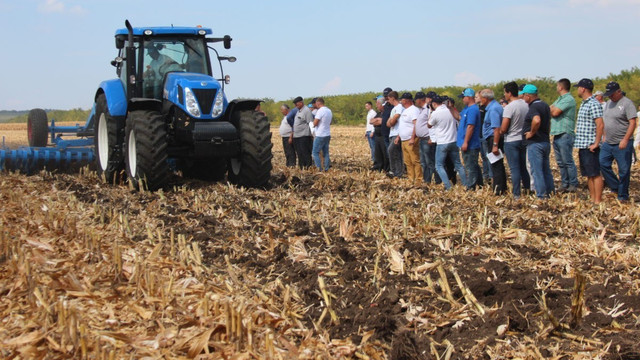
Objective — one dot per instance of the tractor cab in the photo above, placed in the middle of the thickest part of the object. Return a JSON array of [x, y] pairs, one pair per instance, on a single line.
[[158, 51]]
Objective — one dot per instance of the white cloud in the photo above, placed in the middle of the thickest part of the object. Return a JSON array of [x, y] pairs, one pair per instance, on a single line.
[[332, 85], [78, 10], [57, 6], [51, 6], [466, 78]]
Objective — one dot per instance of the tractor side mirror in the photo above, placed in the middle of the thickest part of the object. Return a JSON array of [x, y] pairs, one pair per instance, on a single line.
[[227, 42], [119, 43], [117, 61]]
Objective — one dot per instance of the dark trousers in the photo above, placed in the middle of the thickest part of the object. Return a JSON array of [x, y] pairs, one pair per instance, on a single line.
[[499, 183], [303, 146], [289, 152], [380, 155]]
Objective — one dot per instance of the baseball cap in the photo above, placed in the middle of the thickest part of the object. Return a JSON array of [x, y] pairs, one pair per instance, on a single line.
[[407, 96], [467, 92], [598, 93], [437, 99], [297, 99], [585, 83], [386, 91], [419, 95], [431, 94], [530, 89], [611, 88]]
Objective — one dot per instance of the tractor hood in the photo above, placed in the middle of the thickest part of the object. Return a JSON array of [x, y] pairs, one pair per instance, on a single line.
[[198, 95]]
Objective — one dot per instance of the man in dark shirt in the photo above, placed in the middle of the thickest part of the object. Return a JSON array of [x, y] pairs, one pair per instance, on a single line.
[[380, 155], [386, 114], [537, 124]]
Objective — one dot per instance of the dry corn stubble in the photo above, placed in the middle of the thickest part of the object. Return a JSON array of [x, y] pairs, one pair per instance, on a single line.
[[211, 270]]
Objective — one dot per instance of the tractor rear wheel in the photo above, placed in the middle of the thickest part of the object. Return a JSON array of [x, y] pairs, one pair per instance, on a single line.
[[204, 169], [146, 150], [37, 128], [108, 140], [253, 167]]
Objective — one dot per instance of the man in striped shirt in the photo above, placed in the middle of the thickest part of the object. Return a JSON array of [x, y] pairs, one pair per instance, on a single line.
[[589, 129]]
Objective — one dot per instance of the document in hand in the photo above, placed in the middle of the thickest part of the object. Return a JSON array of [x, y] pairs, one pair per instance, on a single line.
[[493, 158]]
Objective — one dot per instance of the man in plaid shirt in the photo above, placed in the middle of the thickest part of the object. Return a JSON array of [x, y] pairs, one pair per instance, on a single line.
[[589, 129]]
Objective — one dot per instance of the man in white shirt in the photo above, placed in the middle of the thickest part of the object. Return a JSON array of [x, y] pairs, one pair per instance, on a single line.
[[322, 123], [443, 128], [407, 134], [369, 132], [396, 165]]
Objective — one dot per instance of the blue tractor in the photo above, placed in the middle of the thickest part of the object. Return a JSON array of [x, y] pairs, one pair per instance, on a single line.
[[167, 108], [165, 111]]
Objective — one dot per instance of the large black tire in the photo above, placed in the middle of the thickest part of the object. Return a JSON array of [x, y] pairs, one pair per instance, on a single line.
[[253, 167], [145, 149], [108, 142], [37, 128], [207, 169]]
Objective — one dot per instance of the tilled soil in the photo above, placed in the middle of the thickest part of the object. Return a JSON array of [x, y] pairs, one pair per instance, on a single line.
[[384, 254]]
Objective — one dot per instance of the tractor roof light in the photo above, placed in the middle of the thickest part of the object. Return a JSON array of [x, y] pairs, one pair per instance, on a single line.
[[148, 32], [202, 32]]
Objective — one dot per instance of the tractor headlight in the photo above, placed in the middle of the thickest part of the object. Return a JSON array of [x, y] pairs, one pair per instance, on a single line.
[[191, 102], [217, 107]]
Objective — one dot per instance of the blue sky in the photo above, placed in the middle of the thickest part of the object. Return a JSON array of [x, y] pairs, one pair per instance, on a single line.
[[56, 52]]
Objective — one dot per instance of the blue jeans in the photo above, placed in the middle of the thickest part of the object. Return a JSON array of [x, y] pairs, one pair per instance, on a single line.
[[563, 149], [538, 154], [516, 153], [372, 144], [471, 167], [486, 165], [618, 183], [450, 151], [427, 159], [321, 143]]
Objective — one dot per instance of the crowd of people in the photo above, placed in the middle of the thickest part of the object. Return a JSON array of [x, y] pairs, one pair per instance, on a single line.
[[424, 138], [306, 133]]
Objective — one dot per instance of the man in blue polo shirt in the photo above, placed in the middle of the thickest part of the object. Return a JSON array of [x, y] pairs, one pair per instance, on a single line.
[[468, 139], [491, 132]]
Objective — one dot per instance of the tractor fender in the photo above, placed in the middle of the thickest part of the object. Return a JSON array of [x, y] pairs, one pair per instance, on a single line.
[[239, 105], [116, 97]]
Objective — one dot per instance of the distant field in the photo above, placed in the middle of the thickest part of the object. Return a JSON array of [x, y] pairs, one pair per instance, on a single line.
[[15, 134], [8, 115]]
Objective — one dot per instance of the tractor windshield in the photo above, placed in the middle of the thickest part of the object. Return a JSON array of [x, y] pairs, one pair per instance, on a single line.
[[165, 55]]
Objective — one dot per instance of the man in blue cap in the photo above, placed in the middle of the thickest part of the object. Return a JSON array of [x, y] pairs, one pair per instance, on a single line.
[[537, 125], [468, 139]]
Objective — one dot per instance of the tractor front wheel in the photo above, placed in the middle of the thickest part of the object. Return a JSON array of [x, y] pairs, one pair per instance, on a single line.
[[37, 128], [108, 139], [252, 168], [146, 150]]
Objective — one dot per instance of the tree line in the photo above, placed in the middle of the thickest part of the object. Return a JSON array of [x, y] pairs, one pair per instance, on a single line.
[[349, 109]]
